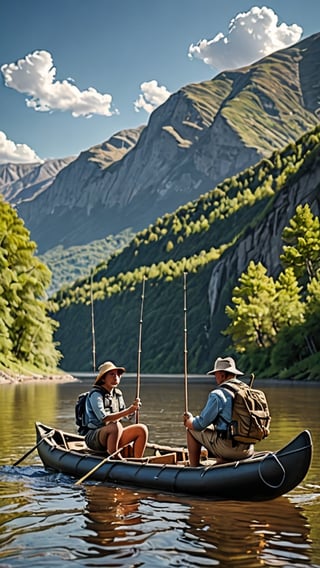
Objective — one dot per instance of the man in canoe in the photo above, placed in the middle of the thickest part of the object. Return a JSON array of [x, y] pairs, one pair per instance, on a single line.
[[209, 429], [105, 408]]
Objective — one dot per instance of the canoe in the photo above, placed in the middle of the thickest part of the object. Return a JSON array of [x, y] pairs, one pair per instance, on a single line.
[[264, 476]]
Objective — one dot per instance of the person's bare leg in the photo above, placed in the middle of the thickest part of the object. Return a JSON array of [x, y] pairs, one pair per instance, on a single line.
[[110, 436], [138, 434], [194, 449]]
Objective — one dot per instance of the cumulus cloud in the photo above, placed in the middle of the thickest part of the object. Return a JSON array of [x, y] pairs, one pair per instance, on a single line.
[[10, 152], [152, 96], [251, 36], [35, 76]]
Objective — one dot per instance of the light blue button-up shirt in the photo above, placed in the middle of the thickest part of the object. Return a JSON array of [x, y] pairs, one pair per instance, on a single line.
[[217, 411]]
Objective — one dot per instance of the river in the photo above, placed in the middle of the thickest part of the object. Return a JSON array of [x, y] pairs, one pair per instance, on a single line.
[[48, 521]]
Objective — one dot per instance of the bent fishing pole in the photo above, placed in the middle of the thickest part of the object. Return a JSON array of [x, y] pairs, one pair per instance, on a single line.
[[140, 346]]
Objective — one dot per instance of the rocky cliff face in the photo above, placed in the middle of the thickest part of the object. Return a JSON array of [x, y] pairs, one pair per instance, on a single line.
[[201, 135], [23, 182], [262, 244]]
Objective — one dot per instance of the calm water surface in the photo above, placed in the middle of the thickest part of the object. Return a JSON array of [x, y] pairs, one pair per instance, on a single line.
[[45, 520]]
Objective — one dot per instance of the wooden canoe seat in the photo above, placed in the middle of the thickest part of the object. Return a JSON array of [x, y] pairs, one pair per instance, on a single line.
[[170, 458], [77, 445]]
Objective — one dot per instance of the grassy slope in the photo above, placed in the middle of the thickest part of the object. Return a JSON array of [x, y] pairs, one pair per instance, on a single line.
[[265, 102]]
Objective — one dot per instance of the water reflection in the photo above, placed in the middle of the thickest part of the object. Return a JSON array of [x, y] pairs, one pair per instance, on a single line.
[[19, 406], [159, 530], [46, 521]]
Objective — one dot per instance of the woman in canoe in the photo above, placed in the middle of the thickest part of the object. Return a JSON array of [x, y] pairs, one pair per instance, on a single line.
[[105, 408]]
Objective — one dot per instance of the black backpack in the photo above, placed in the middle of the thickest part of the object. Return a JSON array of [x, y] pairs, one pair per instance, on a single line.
[[80, 409], [80, 406]]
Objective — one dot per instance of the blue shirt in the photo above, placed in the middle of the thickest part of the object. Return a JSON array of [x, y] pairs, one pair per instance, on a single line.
[[99, 405], [218, 406]]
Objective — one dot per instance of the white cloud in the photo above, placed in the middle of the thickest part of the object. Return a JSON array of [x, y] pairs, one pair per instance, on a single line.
[[16, 153], [251, 36], [151, 97], [35, 76]]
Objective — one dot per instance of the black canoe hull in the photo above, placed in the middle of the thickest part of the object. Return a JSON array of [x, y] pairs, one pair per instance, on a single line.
[[265, 476]]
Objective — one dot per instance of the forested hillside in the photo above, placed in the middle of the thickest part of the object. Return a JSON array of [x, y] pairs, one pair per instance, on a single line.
[[26, 331], [67, 265], [213, 239]]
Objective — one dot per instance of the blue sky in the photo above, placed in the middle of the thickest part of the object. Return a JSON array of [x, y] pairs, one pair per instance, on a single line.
[[74, 72]]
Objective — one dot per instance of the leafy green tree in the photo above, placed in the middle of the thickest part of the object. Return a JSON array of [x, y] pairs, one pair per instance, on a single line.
[[274, 315], [251, 319], [298, 343], [313, 297], [6, 319], [27, 331], [302, 238], [287, 308], [313, 315]]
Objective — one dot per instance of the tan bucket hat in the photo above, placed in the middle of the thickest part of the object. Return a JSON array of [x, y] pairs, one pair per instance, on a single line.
[[105, 368], [225, 364]]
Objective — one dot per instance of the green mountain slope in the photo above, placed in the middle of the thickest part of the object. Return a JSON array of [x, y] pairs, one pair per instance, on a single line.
[[68, 264], [213, 238], [268, 102]]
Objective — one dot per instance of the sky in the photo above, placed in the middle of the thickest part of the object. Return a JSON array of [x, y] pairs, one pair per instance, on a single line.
[[75, 72]]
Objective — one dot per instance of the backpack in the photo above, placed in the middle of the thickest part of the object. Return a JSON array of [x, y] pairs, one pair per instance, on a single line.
[[80, 410], [80, 406], [250, 413]]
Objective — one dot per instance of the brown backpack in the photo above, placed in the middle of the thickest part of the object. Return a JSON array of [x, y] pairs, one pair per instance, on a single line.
[[250, 413]]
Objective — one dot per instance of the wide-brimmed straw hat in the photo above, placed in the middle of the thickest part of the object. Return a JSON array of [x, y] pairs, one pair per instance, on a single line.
[[105, 368], [226, 364]]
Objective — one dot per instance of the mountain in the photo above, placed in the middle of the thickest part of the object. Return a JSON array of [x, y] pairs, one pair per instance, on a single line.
[[67, 265], [21, 182], [201, 135], [212, 239]]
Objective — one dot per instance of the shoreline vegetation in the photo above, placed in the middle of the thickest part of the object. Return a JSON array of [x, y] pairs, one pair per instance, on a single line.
[[9, 377], [12, 377]]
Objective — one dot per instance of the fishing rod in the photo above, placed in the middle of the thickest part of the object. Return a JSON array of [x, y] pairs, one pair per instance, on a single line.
[[140, 346], [185, 343], [93, 334]]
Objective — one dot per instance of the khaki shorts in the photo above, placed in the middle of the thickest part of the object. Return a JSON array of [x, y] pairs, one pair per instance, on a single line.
[[93, 442], [220, 447]]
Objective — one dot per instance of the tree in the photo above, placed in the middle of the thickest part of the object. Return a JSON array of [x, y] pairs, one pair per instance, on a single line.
[[26, 329], [276, 316], [302, 248], [287, 308], [312, 336], [251, 318], [170, 246]]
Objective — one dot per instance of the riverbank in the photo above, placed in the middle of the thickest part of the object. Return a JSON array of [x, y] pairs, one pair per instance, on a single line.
[[8, 377]]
